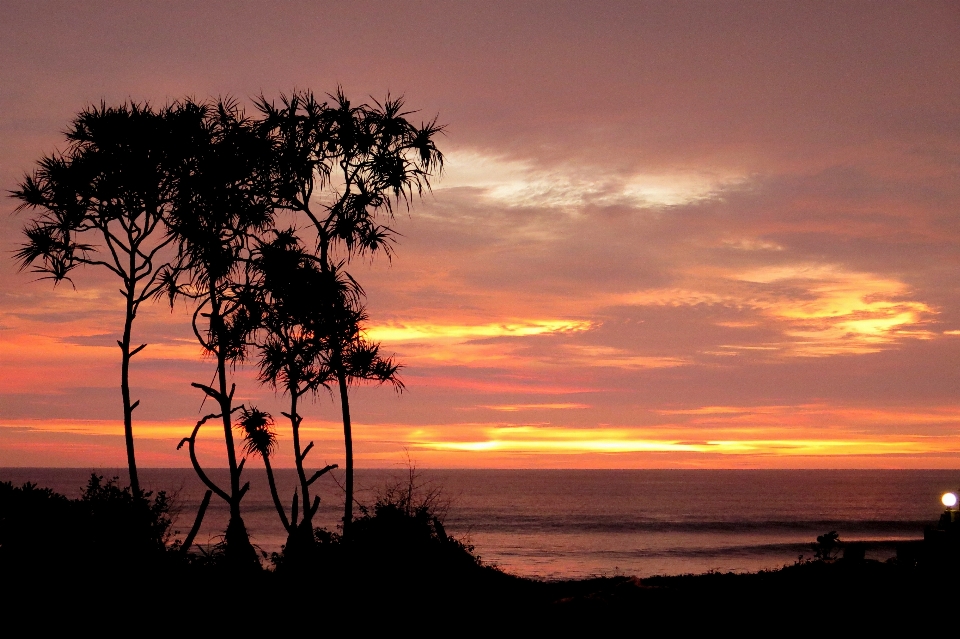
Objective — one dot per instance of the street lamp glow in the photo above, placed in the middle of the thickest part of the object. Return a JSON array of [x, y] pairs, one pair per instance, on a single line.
[[949, 500]]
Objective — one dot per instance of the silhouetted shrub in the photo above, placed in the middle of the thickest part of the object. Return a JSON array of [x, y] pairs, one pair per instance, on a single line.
[[34, 523], [399, 542], [828, 546], [398, 550], [404, 534], [107, 528], [118, 522]]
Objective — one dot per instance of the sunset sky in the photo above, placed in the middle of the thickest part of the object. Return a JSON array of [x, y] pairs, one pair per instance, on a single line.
[[669, 234]]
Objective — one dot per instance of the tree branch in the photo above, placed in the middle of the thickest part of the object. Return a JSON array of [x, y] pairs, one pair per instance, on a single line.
[[192, 440], [116, 271], [209, 391], [306, 450], [184, 549], [320, 473], [297, 419]]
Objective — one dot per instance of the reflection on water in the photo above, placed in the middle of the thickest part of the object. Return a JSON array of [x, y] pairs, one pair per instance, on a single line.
[[557, 523]]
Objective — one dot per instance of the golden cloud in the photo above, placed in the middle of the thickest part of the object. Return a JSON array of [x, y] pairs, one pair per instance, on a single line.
[[424, 331], [465, 344], [819, 309], [521, 183]]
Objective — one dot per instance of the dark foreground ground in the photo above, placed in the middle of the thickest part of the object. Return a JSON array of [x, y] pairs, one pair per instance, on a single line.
[[820, 598], [106, 563]]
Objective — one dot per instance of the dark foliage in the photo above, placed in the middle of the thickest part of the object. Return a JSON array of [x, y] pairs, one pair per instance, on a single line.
[[400, 537], [827, 547], [107, 528]]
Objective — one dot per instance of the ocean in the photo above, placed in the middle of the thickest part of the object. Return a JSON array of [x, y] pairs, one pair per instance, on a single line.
[[555, 524]]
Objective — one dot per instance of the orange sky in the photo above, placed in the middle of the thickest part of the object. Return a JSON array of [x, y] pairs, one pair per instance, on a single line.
[[669, 234]]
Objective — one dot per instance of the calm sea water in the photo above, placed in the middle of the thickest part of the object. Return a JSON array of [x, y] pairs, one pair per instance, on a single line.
[[566, 524]]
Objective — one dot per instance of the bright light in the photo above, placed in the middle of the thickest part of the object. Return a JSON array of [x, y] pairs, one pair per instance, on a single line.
[[949, 500]]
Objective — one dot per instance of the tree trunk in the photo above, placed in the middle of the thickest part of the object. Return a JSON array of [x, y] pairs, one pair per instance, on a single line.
[[298, 453], [239, 549], [185, 548], [125, 392], [348, 445], [225, 413], [275, 494]]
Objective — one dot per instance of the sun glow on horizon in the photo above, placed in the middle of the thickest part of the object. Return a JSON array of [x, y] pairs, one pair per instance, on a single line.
[[532, 440], [710, 436]]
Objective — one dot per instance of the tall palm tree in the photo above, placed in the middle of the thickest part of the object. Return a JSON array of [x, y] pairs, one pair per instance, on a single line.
[[220, 206], [345, 168], [312, 316], [102, 202]]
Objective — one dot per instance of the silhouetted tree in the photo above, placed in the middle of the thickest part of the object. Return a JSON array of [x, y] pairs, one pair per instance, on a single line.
[[112, 186], [307, 309], [219, 207], [260, 439], [345, 167]]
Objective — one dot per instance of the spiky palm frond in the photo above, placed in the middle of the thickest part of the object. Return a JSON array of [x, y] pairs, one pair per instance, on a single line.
[[223, 202], [363, 362], [423, 142], [259, 436], [378, 156], [168, 284], [41, 243]]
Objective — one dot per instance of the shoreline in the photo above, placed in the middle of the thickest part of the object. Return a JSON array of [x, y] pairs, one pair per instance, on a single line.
[[400, 564], [608, 524]]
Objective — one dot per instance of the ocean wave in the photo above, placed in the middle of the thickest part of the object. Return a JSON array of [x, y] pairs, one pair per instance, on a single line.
[[778, 551], [883, 546], [613, 525]]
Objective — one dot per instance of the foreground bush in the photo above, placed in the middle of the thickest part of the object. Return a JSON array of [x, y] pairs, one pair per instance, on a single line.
[[106, 529], [400, 539]]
